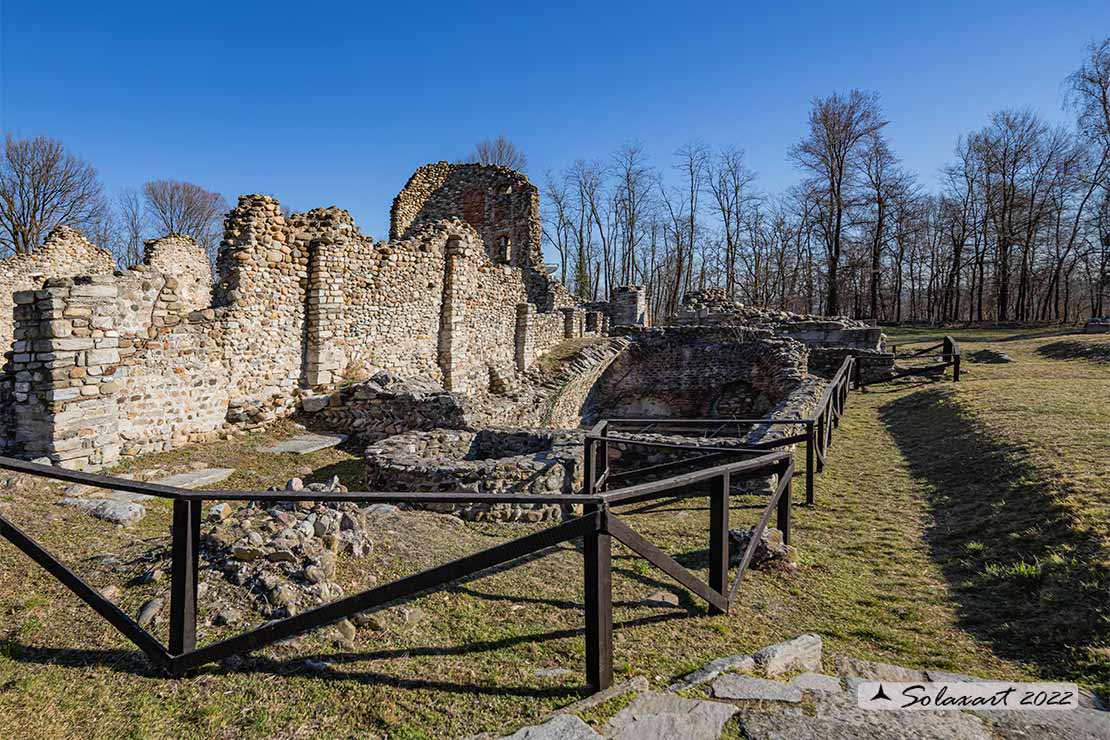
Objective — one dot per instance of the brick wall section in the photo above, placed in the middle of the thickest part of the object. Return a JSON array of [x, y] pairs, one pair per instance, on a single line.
[[64, 253], [498, 203]]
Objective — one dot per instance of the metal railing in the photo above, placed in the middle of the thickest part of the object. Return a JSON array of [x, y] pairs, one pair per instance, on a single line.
[[817, 428], [949, 357], [597, 526]]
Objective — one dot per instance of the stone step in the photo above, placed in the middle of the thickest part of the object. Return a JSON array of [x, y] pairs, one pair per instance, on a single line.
[[306, 443]]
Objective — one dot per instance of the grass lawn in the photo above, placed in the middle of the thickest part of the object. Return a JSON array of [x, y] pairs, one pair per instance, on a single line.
[[961, 527]]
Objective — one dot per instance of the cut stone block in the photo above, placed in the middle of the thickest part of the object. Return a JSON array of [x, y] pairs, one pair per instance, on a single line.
[[561, 727], [307, 443], [656, 716], [196, 478], [747, 688], [312, 404]]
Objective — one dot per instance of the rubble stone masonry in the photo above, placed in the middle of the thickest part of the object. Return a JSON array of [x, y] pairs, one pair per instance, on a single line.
[[154, 356], [64, 253]]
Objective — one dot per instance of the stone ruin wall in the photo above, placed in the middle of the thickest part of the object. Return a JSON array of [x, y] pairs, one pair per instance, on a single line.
[[304, 302], [711, 307], [260, 300], [696, 372], [118, 364], [499, 204], [64, 253], [371, 305]]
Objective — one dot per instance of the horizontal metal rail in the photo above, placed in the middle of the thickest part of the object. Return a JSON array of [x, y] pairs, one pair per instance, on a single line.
[[595, 528]]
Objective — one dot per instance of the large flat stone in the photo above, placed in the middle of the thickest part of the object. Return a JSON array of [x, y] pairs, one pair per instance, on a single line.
[[560, 727], [656, 716], [196, 478], [838, 717], [810, 681], [747, 688], [854, 671], [306, 443], [1071, 724], [116, 512]]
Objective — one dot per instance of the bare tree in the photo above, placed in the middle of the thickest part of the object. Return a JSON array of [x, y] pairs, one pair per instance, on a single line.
[[730, 182], [631, 201], [558, 228], [179, 207], [838, 128], [41, 186], [500, 151], [133, 223]]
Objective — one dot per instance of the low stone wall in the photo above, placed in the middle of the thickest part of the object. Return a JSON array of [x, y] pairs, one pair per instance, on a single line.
[[518, 461], [712, 308], [386, 405]]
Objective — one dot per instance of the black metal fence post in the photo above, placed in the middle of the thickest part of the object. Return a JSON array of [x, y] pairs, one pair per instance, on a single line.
[[589, 473], [822, 438], [784, 504], [183, 585], [597, 552], [603, 452], [811, 438], [718, 537]]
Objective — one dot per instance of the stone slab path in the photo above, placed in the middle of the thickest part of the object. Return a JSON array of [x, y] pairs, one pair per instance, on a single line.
[[306, 443], [765, 708]]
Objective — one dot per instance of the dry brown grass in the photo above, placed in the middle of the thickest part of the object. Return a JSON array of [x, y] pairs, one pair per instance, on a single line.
[[873, 582]]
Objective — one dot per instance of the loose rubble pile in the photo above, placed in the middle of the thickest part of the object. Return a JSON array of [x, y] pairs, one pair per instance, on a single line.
[[286, 552], [770, 551], [780, 693]]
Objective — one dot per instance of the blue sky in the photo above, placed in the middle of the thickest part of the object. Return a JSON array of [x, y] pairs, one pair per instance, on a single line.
[[337, 103]]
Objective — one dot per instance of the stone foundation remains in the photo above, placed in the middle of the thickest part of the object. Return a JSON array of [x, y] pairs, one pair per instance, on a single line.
[[535, 461]]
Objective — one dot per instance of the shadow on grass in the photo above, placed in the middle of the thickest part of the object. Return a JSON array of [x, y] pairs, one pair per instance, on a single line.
[[1026, 578], [129, 661], [1075, 351]]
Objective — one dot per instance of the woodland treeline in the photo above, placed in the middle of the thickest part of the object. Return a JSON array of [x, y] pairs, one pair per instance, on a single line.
[[1019, 229]]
